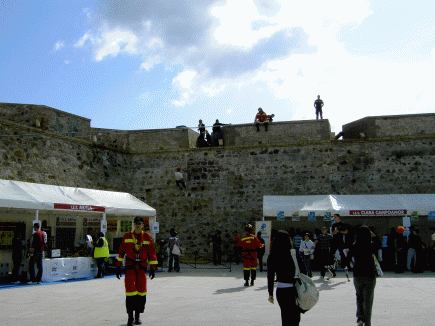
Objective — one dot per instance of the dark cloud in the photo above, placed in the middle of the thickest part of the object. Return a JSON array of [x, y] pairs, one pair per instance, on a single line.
[[178, 23], [280, 44], [186, 24]]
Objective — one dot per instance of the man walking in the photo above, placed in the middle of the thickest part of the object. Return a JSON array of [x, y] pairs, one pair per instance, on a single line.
[[37, 248], [326, 257], [341, 240], [318, 104], [136, 247]]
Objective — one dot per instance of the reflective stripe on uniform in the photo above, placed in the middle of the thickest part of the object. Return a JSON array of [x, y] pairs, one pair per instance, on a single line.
[[248, 238], [120, 259], [130, 294], [153, 262], [128, 240]]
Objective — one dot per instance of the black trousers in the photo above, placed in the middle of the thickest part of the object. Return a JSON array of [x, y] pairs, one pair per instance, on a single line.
[[290, 312], [135, 303], [100, 266]]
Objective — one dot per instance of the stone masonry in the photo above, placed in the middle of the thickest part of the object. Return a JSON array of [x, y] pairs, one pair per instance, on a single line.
[[225, 185]]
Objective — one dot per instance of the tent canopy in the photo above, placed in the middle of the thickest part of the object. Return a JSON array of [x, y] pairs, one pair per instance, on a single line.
[[16, 194], [350, 205]]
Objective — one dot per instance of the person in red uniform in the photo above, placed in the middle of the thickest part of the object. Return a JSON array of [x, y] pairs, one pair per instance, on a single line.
[[261, 118], [136, 248], [249, 244]]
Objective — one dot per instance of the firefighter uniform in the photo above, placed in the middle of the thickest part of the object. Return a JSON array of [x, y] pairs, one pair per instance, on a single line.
[[250, 244], [136, 249]]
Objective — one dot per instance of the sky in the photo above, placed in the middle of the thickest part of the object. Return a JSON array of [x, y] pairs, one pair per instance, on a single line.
[[152, 64]]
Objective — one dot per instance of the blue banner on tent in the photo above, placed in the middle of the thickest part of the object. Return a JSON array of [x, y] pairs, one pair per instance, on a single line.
[[280, 216], [312, 216]]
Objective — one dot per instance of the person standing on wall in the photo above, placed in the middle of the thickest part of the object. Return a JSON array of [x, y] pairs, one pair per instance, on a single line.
[[136, 248], [250, 245], [318, 104], [37, 248], [364, 278], [281, 264], [101, 253]]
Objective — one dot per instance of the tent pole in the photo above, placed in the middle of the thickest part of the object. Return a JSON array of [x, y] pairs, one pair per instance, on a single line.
[[104, 216], [36, 215]]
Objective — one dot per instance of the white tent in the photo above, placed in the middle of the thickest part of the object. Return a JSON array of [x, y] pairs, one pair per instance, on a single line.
[[351, 205], [16, 194]]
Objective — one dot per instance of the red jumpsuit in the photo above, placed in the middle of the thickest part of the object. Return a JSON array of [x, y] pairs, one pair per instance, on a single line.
[[250, 244], [136, 249]]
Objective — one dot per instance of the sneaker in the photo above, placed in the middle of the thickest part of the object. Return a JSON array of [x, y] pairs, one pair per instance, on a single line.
[[360, 323], [31, 282], [252, 282]]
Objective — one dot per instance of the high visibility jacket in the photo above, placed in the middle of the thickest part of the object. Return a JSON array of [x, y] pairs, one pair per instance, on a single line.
[[137, 249], [103, 251], [250, 244]]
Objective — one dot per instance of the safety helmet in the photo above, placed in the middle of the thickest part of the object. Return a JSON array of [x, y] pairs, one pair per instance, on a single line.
[[248, 228]]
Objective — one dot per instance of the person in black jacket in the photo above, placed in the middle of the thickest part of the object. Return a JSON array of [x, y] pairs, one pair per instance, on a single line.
[[261, 251], [280, 262], [364, 277]]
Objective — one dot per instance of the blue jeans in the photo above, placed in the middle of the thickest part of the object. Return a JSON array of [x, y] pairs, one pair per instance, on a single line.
[[365, 293], [176, 260], [412, 254], [36, 258]]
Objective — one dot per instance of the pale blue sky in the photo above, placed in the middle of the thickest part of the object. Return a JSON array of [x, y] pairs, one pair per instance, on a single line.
[[137, 64]]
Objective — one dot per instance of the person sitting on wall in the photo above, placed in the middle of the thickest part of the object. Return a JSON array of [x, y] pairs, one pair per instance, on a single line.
[[179, 179], [208, 141], [261, 118]]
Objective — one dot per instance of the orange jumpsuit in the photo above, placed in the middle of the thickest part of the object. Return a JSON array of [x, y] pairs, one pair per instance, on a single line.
[[136, 249], [250, 244]]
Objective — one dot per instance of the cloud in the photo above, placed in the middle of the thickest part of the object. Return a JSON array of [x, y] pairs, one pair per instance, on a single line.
[[241, 54], [116, 41], [81, 43], [59, 45]]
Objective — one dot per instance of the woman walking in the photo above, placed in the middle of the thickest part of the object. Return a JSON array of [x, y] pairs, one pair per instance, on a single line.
[[174, 257], [364, 277], [280, 262]]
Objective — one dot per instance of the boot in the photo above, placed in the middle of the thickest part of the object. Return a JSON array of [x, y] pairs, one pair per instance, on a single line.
[[252, 282], [137, 320], [246, 277], [130, 319]]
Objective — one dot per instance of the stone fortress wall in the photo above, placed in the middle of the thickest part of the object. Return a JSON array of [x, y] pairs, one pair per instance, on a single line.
[[226, 184]]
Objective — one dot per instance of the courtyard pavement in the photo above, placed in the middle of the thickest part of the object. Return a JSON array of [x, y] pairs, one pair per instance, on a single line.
[[213, 297]]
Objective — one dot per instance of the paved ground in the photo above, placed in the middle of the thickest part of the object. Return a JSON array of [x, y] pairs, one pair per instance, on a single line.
[[213, 298]]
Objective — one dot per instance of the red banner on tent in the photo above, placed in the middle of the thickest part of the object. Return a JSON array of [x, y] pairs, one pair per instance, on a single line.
[[379, 212], [88, 208]]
